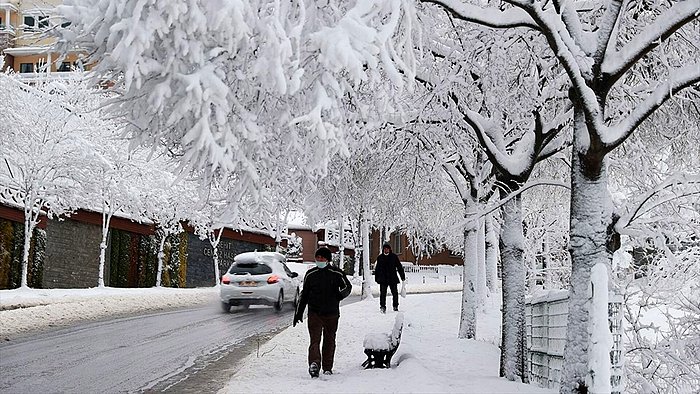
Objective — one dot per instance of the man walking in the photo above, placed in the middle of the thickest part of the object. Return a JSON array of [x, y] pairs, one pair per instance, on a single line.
[[388, 265], [324, 287]]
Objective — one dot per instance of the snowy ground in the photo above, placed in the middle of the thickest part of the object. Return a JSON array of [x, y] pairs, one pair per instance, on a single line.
[[430, 358]]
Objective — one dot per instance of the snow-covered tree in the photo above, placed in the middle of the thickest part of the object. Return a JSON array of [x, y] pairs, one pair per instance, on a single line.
[[119, 184], [617, 80], [167, 204], [43, 151], [219, 83]]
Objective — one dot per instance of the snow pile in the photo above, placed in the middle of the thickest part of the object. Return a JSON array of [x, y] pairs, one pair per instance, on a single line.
[[384, 340], [23, 310]]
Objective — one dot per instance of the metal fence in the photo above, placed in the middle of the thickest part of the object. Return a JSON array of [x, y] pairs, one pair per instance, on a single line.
[[545, 334], [433, 273]]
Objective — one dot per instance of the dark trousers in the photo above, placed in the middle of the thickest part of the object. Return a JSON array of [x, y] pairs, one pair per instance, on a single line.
[[394, 295], [326, 325]]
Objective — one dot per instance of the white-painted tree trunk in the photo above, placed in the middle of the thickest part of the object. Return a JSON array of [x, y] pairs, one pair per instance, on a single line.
[[591, 212], [214, 240], [358, 246], [29, 224], [341, 242], [481, 289], [467, 322], [600, 340], [161, 255], [513, 278], [492, 253], [106, 218], [367, 273]]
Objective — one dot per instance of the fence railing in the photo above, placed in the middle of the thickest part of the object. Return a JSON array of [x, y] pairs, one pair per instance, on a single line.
[[545, 334], [433, 273]]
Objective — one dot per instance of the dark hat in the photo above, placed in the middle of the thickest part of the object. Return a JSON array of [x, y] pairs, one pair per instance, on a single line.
[[386, 245], [324, 252]]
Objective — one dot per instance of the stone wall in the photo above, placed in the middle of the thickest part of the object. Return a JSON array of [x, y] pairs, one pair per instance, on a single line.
[[200, 266], [72, 255]]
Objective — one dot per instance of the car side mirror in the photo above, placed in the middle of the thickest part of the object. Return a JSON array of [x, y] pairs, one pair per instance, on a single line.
[[294, 275]]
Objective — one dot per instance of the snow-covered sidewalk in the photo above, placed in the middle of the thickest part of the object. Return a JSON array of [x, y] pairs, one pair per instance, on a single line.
[[430, 358]]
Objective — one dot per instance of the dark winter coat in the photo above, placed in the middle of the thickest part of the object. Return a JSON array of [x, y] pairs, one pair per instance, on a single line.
[[323, 290], [386, 269]]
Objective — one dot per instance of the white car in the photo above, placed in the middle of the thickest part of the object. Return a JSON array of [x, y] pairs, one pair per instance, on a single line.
[[259, 278]]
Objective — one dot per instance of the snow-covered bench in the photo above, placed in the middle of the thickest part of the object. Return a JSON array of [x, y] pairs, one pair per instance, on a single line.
[[380, 347]]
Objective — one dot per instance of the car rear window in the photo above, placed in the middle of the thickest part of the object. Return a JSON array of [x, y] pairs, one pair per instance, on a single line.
[[250, 268]]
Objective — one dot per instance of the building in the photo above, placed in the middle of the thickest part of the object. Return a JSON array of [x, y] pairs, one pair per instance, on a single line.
[[24, 44], [65, 253], [400, 245]]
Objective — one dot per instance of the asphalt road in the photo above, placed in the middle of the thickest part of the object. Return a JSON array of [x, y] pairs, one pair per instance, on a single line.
[[186, 350]]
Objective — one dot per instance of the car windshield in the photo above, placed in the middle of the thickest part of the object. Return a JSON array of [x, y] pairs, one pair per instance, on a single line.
[[252, 268]]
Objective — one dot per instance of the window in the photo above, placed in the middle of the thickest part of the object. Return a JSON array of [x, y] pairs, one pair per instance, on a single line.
[[26, 67], [43, 22], [64, 67], [397, 244], [250, 268], [29, 22]]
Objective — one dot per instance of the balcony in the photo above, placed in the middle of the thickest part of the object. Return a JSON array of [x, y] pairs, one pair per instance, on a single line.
[[8, 32], [7, 37]]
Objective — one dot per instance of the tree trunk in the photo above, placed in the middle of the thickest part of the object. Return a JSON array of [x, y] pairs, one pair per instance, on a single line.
[[341, 242], [367, 273], [28, 230], [513, 277], [467, 322], [491, 245], [106, 218], [159, 275], [481, 290], [358, 246], [590, 216]]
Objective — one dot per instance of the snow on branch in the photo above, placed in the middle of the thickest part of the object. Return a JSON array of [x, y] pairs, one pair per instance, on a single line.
[[680, 79], [490, 16], [356, 46], [523, 188], [660, 194], [608, 23], [616, 64], [526, 150]]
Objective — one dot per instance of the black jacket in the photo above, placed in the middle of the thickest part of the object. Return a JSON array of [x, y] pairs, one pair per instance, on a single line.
[[323, 290], [386, 269]]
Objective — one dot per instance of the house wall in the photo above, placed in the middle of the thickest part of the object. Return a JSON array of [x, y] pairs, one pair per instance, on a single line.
[[40, 61], [445, 257], [309, 242]]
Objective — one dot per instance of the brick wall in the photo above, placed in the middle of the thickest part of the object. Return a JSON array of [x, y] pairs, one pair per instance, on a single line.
[[72, 255], [200, 266]]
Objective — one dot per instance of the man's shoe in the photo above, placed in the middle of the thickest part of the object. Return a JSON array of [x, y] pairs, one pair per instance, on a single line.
[[382, 309], [396, 309], [313, 370], [329, 372]]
